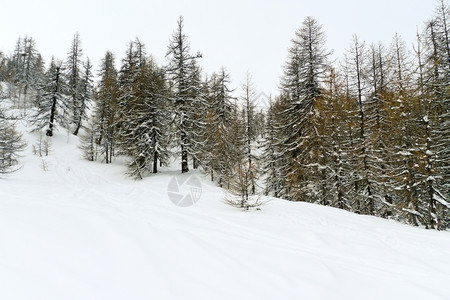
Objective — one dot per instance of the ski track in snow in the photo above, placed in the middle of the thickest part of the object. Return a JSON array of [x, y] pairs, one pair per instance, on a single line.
[[83, 230]]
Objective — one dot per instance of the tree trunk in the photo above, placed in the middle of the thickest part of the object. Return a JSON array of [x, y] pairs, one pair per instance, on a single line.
[[155, 163], [430, 179], [195, 162], [184, 160], [77, 128], [53, 110]]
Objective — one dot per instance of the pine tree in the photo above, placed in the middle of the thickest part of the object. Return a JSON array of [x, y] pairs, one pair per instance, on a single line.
[[105, 109], [378, 107], [185, 94], [86, 94], [248, 99], [73, 75], [218, 120], [434, 101], [401, 135], [134, 59], [338, 111], [51, 100], [196, 116], [11, 143], [89, 140], [239, 187], [273, 178], [301, 86], [27, 68], [366, 169], [146, 138]]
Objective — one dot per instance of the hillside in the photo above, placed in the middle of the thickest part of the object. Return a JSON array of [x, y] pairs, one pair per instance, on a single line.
[[82, 230]]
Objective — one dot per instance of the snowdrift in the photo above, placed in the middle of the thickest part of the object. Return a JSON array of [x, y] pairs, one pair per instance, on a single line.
[[82, 230]]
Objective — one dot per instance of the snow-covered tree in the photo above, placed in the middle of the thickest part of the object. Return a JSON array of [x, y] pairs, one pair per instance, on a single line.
[[145, 131], [239, 186], [218, 120], [248, 99], [86, 95], [51, 100], [11, 143], [434, 96], [187, 100], [27, 69], [73, 70], [105, 110], [89, 140], [134, 59], [270, 161], [301, 87]]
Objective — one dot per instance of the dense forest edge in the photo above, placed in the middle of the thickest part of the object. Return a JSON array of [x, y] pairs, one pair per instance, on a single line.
[[369, 134]]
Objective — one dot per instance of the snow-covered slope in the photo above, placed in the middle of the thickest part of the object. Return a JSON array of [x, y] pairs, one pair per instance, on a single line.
[[82, 230]]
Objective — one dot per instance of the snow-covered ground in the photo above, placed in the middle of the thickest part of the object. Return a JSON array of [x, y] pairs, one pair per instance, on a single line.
[[82, 230]]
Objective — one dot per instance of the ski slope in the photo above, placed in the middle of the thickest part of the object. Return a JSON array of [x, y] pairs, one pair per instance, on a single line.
[[83, 230]]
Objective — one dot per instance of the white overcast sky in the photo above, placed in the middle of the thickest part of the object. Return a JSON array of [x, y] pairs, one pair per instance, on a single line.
[[240, 35]]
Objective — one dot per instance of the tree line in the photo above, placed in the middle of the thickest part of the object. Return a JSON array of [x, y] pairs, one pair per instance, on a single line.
[[370, 134]]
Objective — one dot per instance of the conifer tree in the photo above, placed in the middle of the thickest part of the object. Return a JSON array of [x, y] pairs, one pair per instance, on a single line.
[[146, 138], [218, 120], [134, 59], [435, 143], [273, 178], [86, 95], [51, 101], [27, 68], [11, 143], [182, 72], [196, 116], [106, 107], [304, 72], [338, 111], [89, 140], [239, 186], [365, 164], [248, 100], [73, 75]]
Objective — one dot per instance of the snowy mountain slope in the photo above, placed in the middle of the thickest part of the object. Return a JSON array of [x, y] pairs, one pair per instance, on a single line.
[[82, 230]]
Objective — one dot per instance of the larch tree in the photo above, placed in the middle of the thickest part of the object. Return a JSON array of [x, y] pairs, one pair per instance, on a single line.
[[52, 106], [270, 161], [106, 107], [27, 69], [86, 94], [134, 59], [187, 102], [365, 163], [435, 121], [197, 116], [403, 134], [146, 138], [301, 85], [218, 120], [89, 140], [248, 101], [73, 74], [338, 112], [239, 185], [11, 144]]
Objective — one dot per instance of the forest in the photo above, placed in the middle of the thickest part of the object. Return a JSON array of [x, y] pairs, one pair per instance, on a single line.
[[369, 134]]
